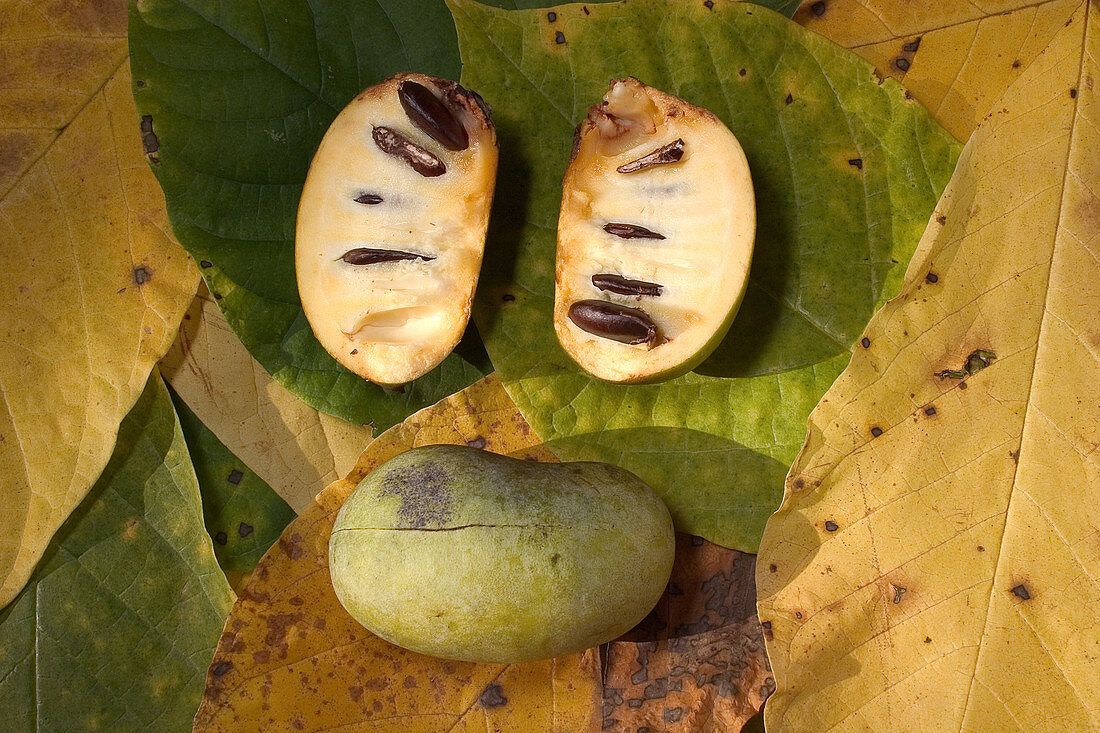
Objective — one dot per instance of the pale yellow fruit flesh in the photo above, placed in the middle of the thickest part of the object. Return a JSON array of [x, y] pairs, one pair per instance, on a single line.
[[395, 321], [704, 207]]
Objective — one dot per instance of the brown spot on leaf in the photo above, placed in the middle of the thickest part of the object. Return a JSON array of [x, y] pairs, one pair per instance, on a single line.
[[1073, 94], [799, 483], [1021, 591], [1014, 455], [492, 697], [220, 669], [898, 593], [856, 163], [831, 526], [912, 46], [244, 529], [141, 275], [875, 432], [709, 4], [205, 264], [559, 38], [773, 568], [902, 64], [150, 143], [932, 278], [292, 546], [789, 99], [865, 342], [355, 693], [478, 442], [221, 538], [928, 640], [262, 656], [818, 9], [930, 410], [552, 16], [235, 477], [1016, 64]]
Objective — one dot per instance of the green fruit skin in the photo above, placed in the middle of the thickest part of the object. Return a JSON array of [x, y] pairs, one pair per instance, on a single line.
[[459, 553]]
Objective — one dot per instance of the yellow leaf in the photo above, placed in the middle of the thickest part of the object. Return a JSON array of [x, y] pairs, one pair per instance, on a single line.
[[291, 657], [956, 58], [934, 563], [54, 57], [294, 448], [93, 287]]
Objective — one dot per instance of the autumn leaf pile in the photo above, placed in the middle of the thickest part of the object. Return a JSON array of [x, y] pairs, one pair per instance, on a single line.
[[174, 448]]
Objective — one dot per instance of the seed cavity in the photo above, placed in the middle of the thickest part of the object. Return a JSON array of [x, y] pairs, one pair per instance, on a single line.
[[630, 231], [369, 199], [624, 286], [615, 322], [399, 146], [370, 256], [663, 155], [431, 116]]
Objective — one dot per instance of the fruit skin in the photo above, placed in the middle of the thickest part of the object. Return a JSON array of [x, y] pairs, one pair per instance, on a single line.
[[633, 120], [459, 553]]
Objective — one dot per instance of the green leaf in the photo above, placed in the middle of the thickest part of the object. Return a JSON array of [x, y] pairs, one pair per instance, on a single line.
[[846, 171], [244, 516], [235, 98], [118, 623]]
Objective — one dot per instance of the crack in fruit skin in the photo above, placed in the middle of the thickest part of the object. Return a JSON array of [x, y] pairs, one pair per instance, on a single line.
[[663, 155], [431, 116], [370, 256], [616, 322], [399, 146], [630, 231], [625, 286]]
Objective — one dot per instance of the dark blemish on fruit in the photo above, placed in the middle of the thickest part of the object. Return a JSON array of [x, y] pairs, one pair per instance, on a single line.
[[932, 278], [875, 432], [559, 38], [492, 697], [507, 297], [709, 4], [552, 16], [831, 526], [235, 477], [204, 264], [1016, 64], [221, 538], [478, 442], [902, 63], [912, 46], [789, 99], [370, 199], [898, 593], [818, 9], [930, 410], [857, 163], [424, 493], [1022, 592], [150, 143], [244, 529], [865, 342], [773, 568], [141, 275]]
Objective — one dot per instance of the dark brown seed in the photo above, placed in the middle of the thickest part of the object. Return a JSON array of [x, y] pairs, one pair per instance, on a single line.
[[368, 198], [369, 256], [399, 146], [431, 116], [663, 155], [630, 231], [624, 286], [614, 321]]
